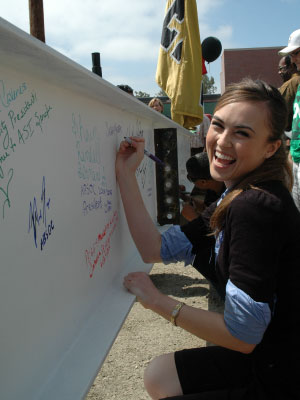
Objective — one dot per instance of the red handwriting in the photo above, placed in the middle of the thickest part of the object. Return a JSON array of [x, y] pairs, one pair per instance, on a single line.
[[99, 251]]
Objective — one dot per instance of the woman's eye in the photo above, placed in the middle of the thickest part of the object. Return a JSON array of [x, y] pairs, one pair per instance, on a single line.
[[243, 133], [217, 124]]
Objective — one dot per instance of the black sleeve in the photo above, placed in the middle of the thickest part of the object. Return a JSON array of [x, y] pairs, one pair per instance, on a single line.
[[253, 226], [199, 234], [210, 197], [198, 231]]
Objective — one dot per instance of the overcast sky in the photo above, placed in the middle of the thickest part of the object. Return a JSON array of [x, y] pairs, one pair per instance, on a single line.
[[127, 33]]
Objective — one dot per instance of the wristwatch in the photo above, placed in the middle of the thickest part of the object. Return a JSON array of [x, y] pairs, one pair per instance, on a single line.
[[176, 312]]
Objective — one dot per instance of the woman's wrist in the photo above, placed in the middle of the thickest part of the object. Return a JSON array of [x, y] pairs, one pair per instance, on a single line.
[[163, 305], [124, 173]]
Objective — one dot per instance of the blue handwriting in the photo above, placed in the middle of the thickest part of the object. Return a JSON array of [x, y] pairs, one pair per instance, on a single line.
[[113, 129]]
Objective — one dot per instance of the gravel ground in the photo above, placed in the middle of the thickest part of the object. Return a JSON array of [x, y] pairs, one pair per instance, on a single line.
[[145, 335]]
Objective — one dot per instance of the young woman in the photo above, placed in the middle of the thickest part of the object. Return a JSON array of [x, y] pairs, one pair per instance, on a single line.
[[157, 104], [248, 243]]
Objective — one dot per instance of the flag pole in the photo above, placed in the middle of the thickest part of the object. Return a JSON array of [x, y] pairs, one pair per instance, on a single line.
[[36, 18]]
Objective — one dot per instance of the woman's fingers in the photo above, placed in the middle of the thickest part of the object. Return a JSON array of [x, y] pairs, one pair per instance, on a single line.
[[140, 284], [125, 145], [129, 155], [137, 139], [136, 145], [136, 278]]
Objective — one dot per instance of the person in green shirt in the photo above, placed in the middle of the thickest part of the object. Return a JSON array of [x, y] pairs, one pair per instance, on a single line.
[[293, 50], [295, 149]]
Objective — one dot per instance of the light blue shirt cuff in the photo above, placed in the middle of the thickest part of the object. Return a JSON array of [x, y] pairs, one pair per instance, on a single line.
[[245, 318], [176, 247]]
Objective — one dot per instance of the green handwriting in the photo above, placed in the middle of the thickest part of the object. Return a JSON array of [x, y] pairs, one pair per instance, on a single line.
[[14, 117]]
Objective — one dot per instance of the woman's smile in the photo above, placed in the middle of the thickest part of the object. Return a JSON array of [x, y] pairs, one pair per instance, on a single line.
[[223, 159]]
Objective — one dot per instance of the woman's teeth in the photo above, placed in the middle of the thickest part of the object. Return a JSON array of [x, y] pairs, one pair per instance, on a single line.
[[224, 157]]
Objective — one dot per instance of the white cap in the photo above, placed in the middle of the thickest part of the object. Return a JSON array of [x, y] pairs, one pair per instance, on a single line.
[[293, 43], [288, 134]]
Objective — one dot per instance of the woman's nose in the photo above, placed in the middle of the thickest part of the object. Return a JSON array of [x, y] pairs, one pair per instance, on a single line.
[[224, 139]]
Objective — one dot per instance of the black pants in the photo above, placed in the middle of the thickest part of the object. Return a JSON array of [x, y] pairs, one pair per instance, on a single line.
[[216, 373]]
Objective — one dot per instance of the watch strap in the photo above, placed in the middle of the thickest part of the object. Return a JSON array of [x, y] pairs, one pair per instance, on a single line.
[[175, 312]]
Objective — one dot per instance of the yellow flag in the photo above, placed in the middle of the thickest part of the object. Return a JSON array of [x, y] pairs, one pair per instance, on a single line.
[[179, 68]]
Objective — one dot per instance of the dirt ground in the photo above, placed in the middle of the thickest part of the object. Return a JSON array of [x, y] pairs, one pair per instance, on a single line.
[[145, 335]]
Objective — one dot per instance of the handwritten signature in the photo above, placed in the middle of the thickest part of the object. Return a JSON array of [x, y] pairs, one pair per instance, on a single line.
[[40, 118], [98, 253], [4, 189], [7, 97], [7, 142], [38, 212]]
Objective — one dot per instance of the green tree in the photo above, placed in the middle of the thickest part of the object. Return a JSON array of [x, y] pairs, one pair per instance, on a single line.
[[141, 94], [208, 85], [161, 93]]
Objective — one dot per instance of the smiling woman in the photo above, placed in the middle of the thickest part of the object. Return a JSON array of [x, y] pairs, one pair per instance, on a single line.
[[238, 141], [247, 130], [243, 244]]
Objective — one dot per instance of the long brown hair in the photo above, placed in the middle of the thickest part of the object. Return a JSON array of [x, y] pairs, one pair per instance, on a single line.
[[274, 168]]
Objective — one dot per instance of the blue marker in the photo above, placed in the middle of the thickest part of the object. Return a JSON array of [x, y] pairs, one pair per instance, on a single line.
[[146, 152]]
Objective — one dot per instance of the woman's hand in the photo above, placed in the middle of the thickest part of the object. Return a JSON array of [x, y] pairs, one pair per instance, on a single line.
[[189, 212], [130, 156], [140, 284]]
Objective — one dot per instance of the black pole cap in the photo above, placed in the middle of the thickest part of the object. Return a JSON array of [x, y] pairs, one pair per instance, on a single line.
[[96, 64]]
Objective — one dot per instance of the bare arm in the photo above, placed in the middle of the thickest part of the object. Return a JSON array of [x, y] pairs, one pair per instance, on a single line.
[[204, 324], [143, 231]]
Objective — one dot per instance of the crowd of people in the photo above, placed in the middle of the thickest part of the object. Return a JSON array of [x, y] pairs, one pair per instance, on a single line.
[[244, 243], [290, 90]]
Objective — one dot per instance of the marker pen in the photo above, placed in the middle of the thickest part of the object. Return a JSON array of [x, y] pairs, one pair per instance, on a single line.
[[147, 153]]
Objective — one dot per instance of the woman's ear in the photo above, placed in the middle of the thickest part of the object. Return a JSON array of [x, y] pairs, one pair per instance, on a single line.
[[272, 148]]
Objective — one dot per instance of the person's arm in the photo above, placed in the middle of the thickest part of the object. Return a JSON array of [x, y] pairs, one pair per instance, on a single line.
[[288, 92], [192, 209], [189, 212], [254, 253], [143, 230], [204, 324]]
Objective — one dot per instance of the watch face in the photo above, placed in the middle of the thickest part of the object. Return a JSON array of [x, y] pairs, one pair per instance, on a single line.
[[174, 312]]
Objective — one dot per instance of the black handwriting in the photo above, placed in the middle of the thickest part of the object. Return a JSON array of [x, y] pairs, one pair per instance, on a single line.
[[38, 212]]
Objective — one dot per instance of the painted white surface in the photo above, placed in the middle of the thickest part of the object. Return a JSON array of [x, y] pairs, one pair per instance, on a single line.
[[62, 302]]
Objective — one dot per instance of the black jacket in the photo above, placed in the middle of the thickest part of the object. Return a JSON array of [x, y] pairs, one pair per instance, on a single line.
[[260, 255]]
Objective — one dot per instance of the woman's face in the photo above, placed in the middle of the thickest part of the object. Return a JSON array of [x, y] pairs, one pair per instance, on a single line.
[[157, 106], [237, 141]]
